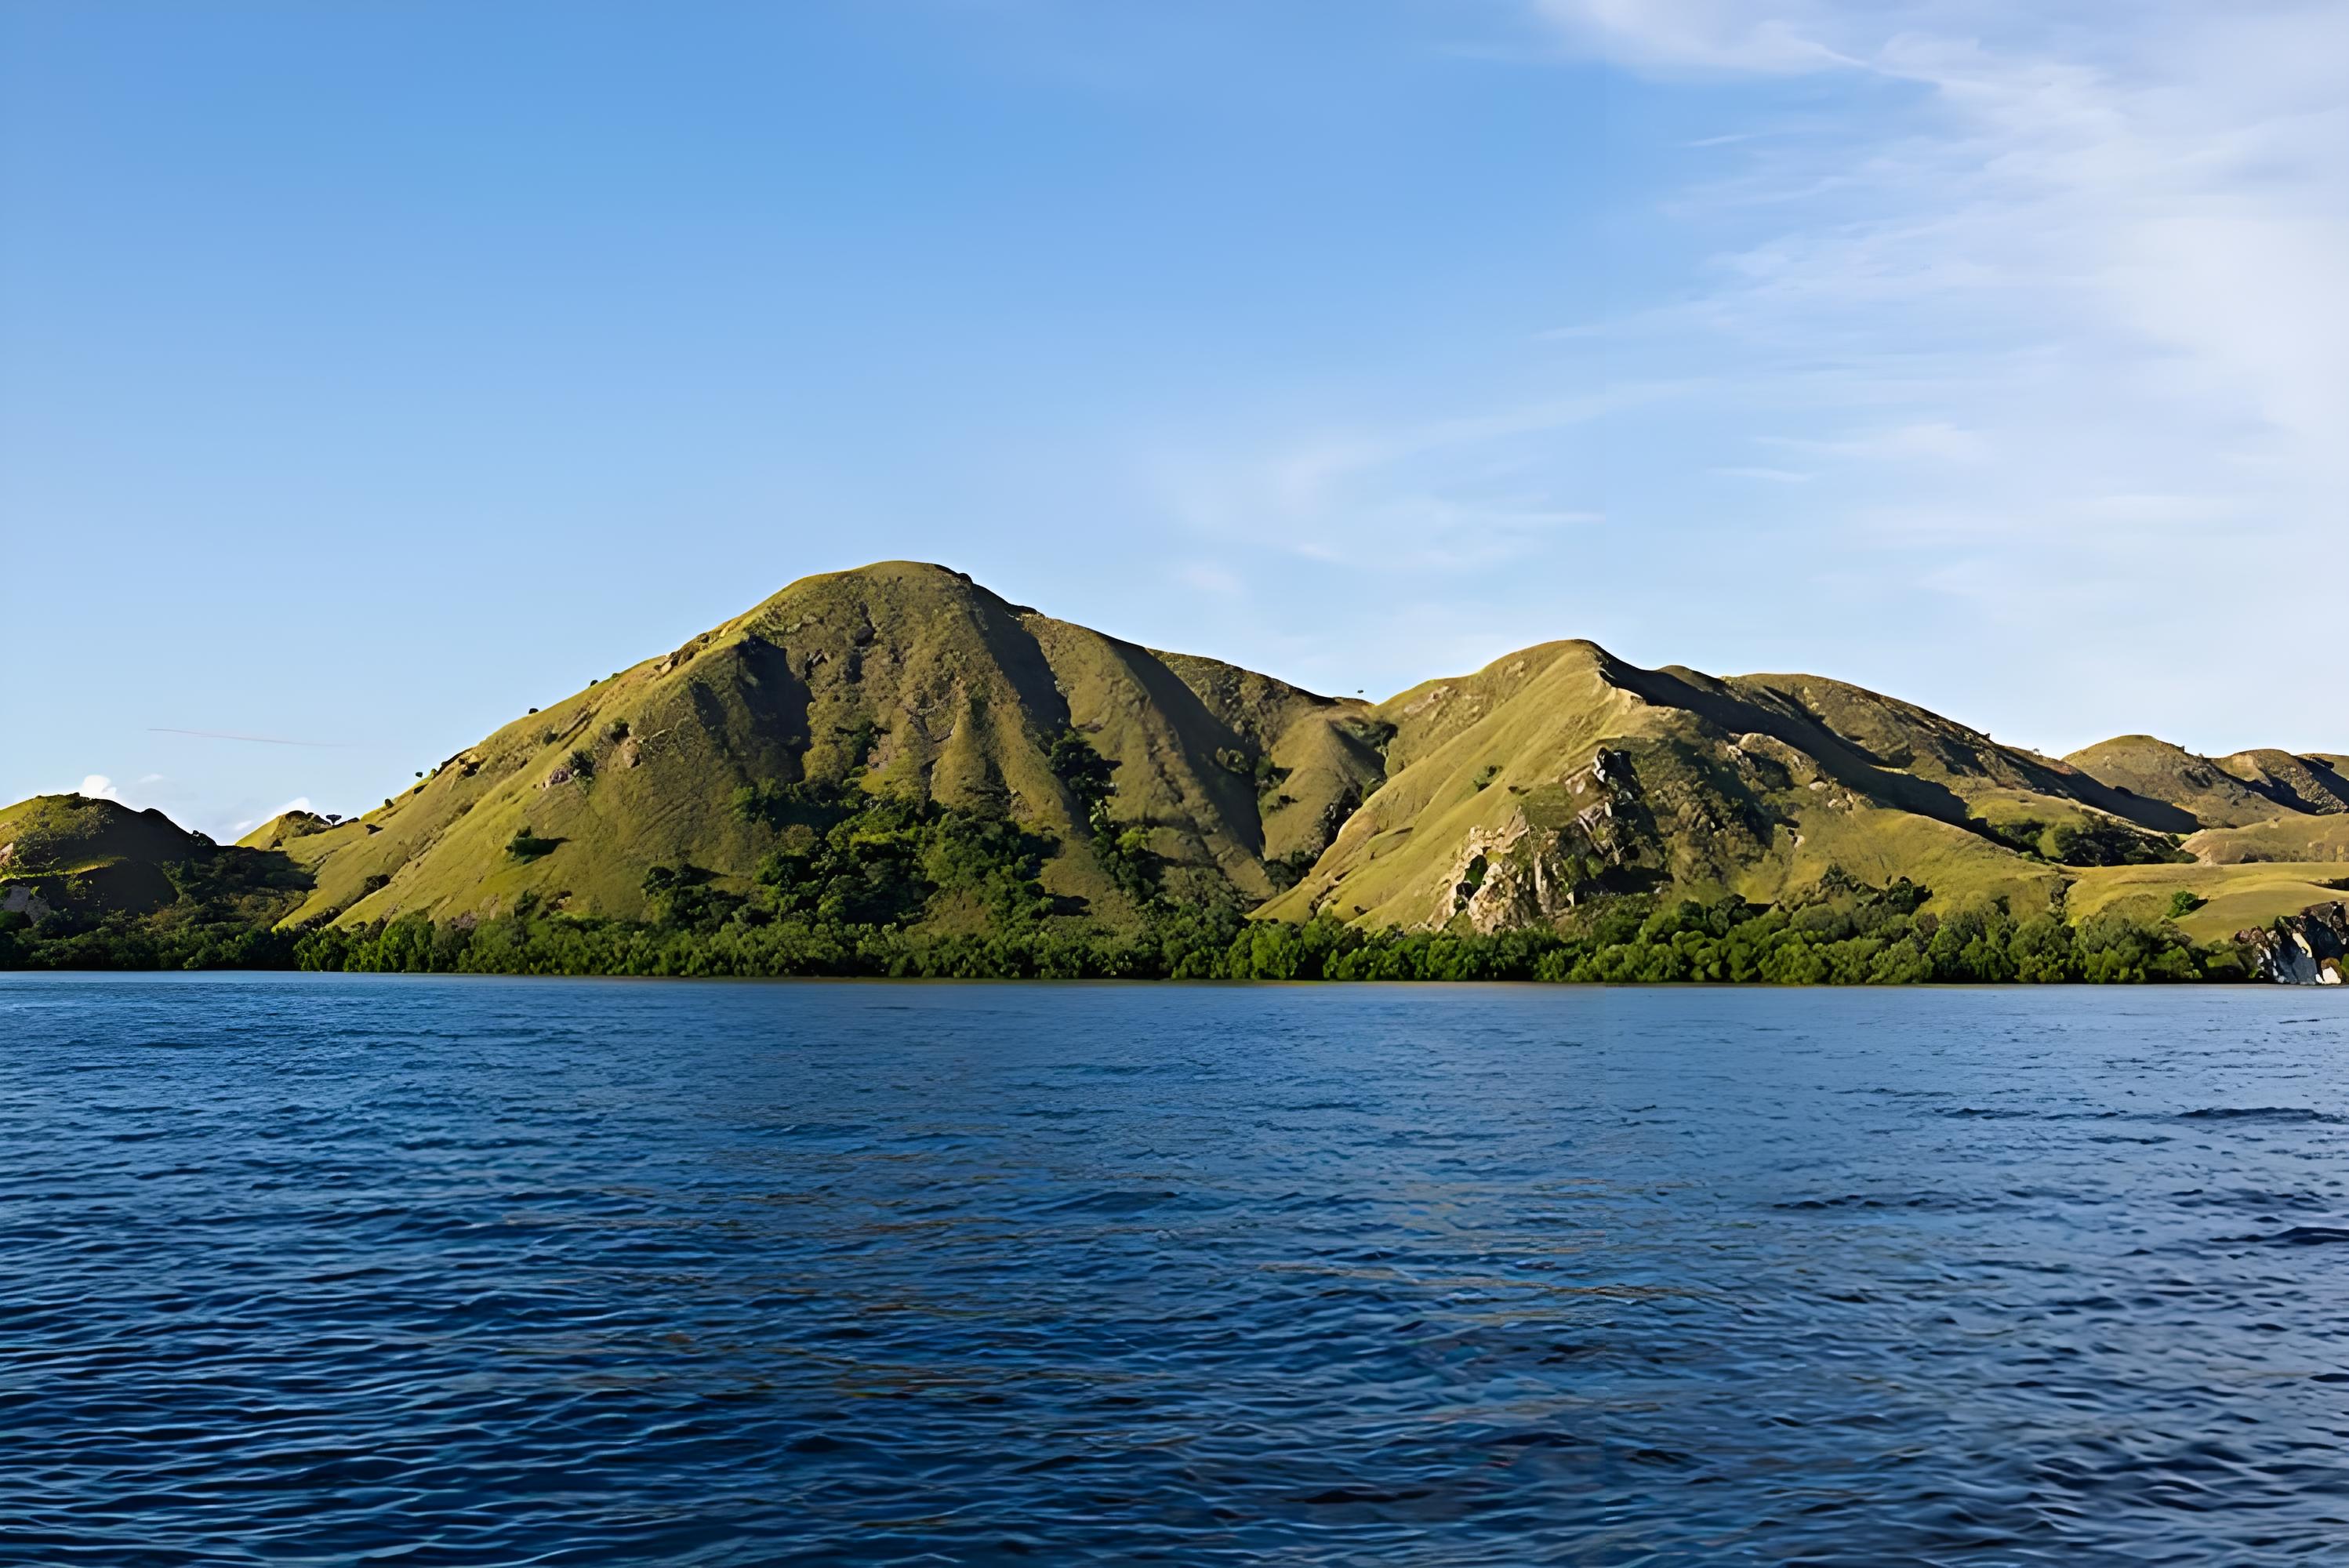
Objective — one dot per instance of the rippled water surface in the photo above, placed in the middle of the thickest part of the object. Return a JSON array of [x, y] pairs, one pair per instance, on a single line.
[[314, 1268]]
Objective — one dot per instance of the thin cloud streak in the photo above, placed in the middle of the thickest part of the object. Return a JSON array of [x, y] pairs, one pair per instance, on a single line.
[[253, 739]]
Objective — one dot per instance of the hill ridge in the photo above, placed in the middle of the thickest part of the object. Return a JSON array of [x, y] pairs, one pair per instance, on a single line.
[[1552, 779]]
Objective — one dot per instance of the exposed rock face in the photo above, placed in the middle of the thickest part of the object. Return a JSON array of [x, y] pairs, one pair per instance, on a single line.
[[23, 900], [1525, 873], [1496, 890], [683, 655], [2311, 948]]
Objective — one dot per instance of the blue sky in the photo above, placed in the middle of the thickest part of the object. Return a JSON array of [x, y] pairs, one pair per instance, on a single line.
[[368, 373]]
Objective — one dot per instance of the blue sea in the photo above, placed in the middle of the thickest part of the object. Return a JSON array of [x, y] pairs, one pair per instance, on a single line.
[[310, 1270]]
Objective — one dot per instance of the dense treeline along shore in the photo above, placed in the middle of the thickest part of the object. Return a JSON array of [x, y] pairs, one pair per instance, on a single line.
[[894, 772]]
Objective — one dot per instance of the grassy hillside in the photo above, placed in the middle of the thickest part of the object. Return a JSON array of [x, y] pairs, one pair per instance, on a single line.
[[2285, 839], [2215, 797], [895, 755], [1997, 782], [96, 883], [900, 680], [2312, 784], [2270, 823], [2232, 898], [1558, 776], [70, 851]]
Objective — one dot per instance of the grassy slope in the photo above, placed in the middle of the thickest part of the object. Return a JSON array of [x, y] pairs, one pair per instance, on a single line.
[[1756, 784], [2299, 784], [2286, 839], [2155, 770], [1997, 782], [1325, 750], [100, 863], [2275, 830], [959, 693], [1759, 785], [1529, 717], [2240, 896], [89, 854]]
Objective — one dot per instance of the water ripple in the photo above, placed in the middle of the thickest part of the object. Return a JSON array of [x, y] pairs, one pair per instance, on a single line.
[[358, 1270]]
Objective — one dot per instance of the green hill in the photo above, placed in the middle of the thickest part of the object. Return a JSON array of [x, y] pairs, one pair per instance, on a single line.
[[2303, 839], [894, 754], [74, 852], [2217, 794], [2268, 824], [2219, 901], [99, 886], [1560, 776], [2310, 784], [898, 680]]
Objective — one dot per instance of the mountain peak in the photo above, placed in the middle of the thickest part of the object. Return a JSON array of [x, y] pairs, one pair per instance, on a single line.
[[1553, 776]]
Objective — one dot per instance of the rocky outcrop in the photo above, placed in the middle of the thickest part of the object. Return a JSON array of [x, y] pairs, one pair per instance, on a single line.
[[1522, 874], [19, 898], [2311, 948], [1496, 890]]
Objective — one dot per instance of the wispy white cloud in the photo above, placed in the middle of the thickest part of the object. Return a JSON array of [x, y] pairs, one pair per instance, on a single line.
[[1208, 577], [1957, 314], [2170, 197], [2057, 301], [1925, 441], [1457, 492], [98, 787], [1701, 35]]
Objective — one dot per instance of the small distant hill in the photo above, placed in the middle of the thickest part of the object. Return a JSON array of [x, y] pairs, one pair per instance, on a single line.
[[105, 880], [896, 747], [2312, 784], [2224, 792], [73, 852]]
